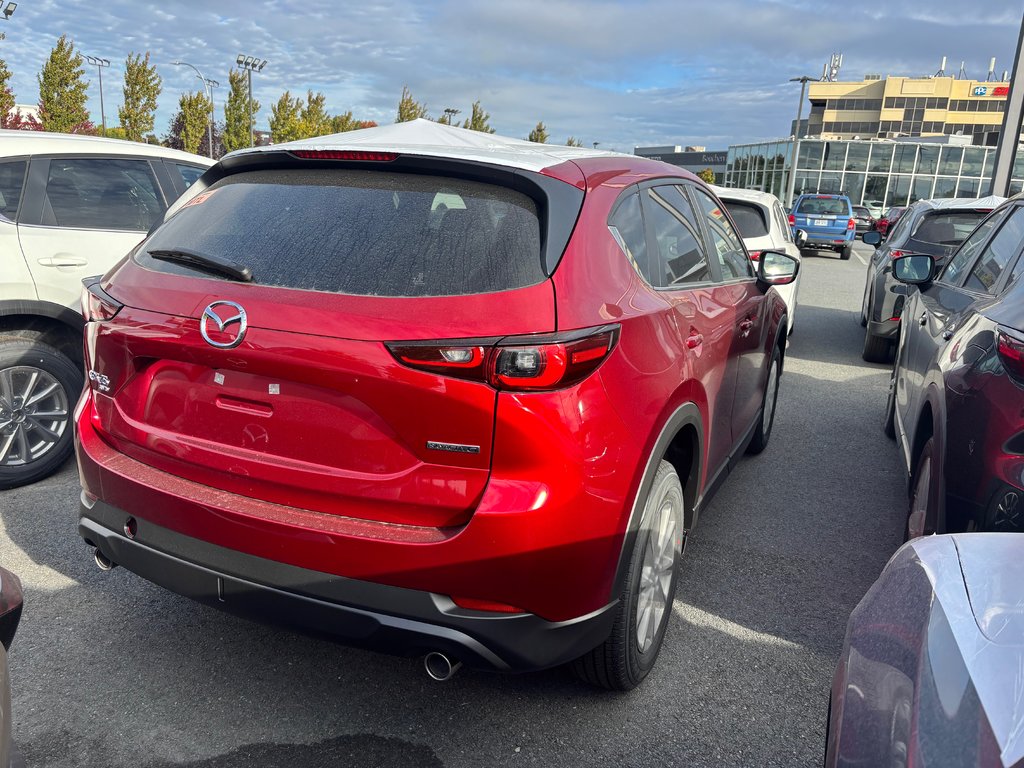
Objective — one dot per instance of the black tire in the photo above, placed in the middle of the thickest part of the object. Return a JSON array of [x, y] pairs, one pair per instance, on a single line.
[[846, 252], [26, 461], [876, 348], [619, 664], [764, 430], [924, 497], [889, 421]]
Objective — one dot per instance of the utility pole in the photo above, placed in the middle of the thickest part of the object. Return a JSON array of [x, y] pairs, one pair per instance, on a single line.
[[1006, 150], [100, 65], [250, 64], [791, 185], [207, 85]]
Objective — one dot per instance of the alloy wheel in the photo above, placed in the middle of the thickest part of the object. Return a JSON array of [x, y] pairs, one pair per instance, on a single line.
[[919, 504], [34, 414], [771, 396], [656, 571]]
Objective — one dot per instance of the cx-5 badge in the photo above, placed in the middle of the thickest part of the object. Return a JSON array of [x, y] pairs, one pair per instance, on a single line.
[[452, 447], [210, 314]]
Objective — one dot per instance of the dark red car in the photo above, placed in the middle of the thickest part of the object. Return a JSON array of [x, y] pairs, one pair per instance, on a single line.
[[888, 220], [430, 391], [956, 402]]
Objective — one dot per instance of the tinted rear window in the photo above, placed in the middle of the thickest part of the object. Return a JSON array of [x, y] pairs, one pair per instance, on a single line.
[[12, 178], [366, 233], [749, 218], [829, 206], [947, 228]]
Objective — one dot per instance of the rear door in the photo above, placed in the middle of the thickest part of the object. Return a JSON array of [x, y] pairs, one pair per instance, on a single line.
[[358, 386], [84, 215]]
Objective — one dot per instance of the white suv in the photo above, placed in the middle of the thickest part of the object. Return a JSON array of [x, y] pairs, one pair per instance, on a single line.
[[70, 208]]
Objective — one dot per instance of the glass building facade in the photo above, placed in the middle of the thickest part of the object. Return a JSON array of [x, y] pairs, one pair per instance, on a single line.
[[882, 172]]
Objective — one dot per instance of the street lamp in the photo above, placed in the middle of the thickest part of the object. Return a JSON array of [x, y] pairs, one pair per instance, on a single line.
[[207, 84], [791, 186], [8, 12], [450, 113], [250, 64], [100, 65]]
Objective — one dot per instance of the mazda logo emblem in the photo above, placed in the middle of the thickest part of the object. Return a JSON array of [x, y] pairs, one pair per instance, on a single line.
[[224, 315]]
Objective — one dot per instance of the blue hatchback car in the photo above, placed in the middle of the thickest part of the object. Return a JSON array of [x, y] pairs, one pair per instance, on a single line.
[[828, 221]]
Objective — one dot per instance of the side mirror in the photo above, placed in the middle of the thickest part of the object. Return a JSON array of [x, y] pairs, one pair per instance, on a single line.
[[776, 268], [914, 268], [10, 606], [800, 239], [872, 238]]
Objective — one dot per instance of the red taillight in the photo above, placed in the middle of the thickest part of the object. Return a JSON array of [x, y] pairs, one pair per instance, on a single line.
[[851, 224], [97, 304], [755, 255], [792, 220], [344, 154], [1011, 353], [523, 363], [485, 605]]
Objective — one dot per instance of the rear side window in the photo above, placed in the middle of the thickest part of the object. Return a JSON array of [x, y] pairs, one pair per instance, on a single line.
[[627, 227], [680, 258], [189, 173], [12, 179], [783, 221], [362, 233], [824, 206], [946, 228], [749, 218], [101, 194]]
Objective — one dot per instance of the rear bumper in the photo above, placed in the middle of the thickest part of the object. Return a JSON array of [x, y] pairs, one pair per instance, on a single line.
[[360, 613]]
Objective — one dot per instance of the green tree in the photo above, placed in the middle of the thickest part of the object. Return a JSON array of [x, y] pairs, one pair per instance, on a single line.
[[478, 120], [237, 121], [7, 115], [142, 86], [117, 132], [284, 119], [409, 108], [539, 134], [707, 175], [62, 91], [314, 120], [194, 109], [573, 142]]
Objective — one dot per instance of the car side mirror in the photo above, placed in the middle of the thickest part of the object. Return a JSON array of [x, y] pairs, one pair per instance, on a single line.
[[914, 268], [777, 268], [872, 238], [10, 606]]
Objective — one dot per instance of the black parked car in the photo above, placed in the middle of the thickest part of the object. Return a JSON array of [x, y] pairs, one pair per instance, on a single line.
[[935, 227], [865, 221], [956, 401]]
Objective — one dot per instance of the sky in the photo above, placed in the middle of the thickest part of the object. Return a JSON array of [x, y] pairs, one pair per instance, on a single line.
[[623, 73]]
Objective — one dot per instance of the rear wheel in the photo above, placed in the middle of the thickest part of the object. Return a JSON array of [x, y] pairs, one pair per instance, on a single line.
[[876, 348], [771, 395], [846, 252], [922, 514], [38, 390], [623, 660]]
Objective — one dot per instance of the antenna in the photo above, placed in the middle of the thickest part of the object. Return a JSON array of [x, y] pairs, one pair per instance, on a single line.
[[962, 74], [1005, 76], [942, 68], [833, 67], [991, 70]]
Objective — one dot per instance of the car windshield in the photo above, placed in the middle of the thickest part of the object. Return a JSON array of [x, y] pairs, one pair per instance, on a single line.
[[947, 228], [749, 217], [828, 206]]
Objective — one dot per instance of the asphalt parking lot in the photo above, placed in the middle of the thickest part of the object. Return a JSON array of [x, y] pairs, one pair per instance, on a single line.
[[109, 670]]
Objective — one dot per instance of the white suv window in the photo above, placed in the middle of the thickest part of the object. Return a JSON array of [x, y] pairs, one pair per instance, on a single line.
[[12, 179], [104, 193]]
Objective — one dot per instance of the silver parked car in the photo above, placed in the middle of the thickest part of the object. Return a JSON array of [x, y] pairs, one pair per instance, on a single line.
[[932, 671]]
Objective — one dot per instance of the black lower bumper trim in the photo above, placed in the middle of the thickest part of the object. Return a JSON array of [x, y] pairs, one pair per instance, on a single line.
[[374, 616]]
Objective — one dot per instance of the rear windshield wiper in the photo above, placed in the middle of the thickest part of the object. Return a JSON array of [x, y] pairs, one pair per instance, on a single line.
[[203, 261]]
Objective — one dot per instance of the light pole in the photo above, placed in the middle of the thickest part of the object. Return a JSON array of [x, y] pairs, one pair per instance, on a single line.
[[7, 13], [100, 65], [791, 186], [250, 64], [1006, 149], [209, 98], [450, 113]]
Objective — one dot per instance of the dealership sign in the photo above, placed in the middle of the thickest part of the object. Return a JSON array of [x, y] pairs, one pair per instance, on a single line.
[[996, 90]]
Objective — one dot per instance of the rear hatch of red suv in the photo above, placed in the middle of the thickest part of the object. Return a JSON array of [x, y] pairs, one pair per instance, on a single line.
[[313, 333]]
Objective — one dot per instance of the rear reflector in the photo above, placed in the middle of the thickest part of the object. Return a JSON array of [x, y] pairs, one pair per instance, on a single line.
[[517, 363], [1011, 353], [346, 154], [473, 604]]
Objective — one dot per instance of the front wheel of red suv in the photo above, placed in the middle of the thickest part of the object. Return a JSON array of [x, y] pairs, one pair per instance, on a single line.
[[623, 660]]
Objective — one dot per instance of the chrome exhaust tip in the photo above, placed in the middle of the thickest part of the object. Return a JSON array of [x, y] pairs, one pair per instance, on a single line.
[[102, 561], [439, 667]]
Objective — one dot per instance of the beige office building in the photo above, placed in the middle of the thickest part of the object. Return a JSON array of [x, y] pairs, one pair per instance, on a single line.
[[892, 107]]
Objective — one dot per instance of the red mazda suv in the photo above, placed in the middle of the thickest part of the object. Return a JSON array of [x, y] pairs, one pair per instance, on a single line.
[[431, 392]]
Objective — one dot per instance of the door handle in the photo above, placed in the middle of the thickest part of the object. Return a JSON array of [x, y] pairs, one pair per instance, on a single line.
[[948, 334], [745, 326], [694, 340], [923, 318], [62, 261]]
